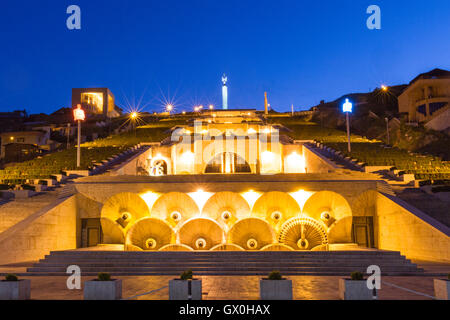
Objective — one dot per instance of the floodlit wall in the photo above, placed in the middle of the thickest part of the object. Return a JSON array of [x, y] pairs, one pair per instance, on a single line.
[[404, 228], [315, 163], [54, 227]]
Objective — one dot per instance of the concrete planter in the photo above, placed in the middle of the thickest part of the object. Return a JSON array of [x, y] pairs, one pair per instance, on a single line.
[[103, 290], [15, 290], [275, 289], [442, 289], [179, 289], [354, 290]]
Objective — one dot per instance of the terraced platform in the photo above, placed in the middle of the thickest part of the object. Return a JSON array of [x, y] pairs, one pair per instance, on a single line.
[[126, 263]]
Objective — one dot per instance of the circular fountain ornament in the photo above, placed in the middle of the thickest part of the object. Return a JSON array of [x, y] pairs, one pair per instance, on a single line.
[[226, 208], [303, 233], [226, 215], [276, 215], [275, 207], [200, 244], [325, 216], [303, 244], [124, 209], [175, 216], [327, 206], [149, 234], [252, 244], [150, 243], [174, 208], [201, 233], [251, 233]]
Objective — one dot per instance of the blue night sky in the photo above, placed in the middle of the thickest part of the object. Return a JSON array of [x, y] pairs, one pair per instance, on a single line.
[[151, 51]]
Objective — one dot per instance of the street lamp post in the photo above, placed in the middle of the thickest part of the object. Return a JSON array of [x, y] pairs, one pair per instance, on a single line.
[[347, 108], [78, 115], [133, 117]]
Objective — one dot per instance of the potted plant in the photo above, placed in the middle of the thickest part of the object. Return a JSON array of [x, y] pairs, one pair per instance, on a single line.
[[185, 288], [275, 287], [103, 288], [355, 288], [442, 288], [14, 289]]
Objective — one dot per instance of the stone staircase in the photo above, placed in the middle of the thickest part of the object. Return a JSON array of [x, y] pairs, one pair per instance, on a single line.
[[122, 263]]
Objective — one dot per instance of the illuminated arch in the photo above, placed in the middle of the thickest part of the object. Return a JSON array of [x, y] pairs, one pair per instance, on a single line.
[[251, 234], [200, 233], [226, 208], [275, 207], [327, 206], [174, 208], [149, 234], [227, 162]]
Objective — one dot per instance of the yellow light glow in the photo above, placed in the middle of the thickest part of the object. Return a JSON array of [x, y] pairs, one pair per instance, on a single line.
[[184, 112], [200, 197], [169, 107], [301, 196], [251, 131], [384, 88], [296, 163], [211, 107], [267, 156], [133, 115], [267, 130], [150, 198], [187, 157], [251, 197], [204, 131], [11, 138], [187, 131]]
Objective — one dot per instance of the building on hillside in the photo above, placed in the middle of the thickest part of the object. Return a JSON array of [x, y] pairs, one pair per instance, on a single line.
[[230, 181], [96, 101], [427, 99], [25, 145]]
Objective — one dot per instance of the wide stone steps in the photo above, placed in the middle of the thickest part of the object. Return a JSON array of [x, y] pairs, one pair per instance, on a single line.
[[223, 262]]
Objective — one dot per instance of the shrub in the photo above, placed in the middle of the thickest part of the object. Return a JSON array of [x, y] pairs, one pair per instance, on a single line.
[[356, 275], [186, 275], [103, 276], [11, 277], [275, 275]]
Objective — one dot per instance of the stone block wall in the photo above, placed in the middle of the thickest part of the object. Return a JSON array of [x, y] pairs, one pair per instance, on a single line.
[[402, 227], [53, 227]]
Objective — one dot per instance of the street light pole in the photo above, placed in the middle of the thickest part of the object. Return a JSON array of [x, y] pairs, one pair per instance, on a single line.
[[78, 115], [348, 134], [347, 108], [78, 147]]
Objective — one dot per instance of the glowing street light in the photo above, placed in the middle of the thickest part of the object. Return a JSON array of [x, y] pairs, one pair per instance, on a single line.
[[79, 115], [347, 107], [169, 108], [211, 107], [384, 88], [133, 117]]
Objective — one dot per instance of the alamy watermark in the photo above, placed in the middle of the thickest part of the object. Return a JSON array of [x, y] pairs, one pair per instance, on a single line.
[[73, 22], [374, 20], [74, 280]]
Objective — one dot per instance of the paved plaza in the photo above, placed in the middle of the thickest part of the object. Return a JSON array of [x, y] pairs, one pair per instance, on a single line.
[[232, 287]]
